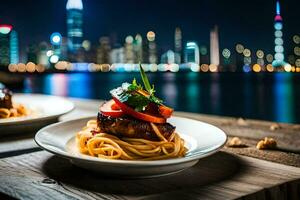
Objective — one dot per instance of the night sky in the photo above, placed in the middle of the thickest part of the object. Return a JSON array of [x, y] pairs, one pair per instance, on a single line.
[[248, 22]]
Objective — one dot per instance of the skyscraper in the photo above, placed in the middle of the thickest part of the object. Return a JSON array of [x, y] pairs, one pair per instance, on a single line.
[[14, 47], [152, 57], [178, 45], [103, 51], [74, 24], [278, 56], [5, 31], [191, 53], [214, 47]]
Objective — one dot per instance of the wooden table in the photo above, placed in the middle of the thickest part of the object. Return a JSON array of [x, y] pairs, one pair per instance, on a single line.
[[27, 172]]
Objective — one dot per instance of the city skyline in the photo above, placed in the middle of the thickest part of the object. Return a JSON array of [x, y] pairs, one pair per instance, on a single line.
[[165, 34], [62, 50]]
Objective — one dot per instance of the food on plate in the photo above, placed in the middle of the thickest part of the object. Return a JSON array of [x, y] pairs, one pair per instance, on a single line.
[[8, 108], [132, 126]]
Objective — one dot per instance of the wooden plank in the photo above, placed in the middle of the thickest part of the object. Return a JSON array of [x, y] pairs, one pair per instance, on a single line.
[[40, 175], [287, 135], [251, 131], [278, 156]]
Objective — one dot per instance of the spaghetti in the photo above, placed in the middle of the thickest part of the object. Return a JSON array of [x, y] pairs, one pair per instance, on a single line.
[[93, 142], [18, 110]]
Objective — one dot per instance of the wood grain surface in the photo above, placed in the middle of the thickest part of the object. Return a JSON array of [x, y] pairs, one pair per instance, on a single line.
[[41, 175], [27, 172]]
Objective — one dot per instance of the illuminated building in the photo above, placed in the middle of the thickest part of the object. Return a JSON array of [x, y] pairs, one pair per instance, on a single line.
[[152, 57], [279, 50], [42, 55], [191, 53], [74, 25], [32, 53], [214, 47], [5, 31], [129, 54], [138, 48], [117, 55], [64, 48], [14, 47], [178, 45], [168, 57], [103, 51]]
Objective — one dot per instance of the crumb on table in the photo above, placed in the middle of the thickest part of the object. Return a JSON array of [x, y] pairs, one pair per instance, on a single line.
[[266, 143], [236, 142]]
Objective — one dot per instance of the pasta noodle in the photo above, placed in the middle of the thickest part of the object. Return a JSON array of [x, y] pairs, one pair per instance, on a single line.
[[18, 110], [91, 141]]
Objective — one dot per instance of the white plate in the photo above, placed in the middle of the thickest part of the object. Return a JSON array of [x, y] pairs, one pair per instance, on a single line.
[[46, 110], [201, 139]]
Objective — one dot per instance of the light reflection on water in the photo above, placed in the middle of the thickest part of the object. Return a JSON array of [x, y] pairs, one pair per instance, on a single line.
[[283, 97], [262, 96]]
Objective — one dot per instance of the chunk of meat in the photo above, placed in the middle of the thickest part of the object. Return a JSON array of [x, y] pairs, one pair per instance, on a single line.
[[5, 98], [132, 128]]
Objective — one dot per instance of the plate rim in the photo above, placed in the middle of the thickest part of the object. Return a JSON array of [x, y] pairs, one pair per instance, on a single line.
[[87, 158], [41, 118]]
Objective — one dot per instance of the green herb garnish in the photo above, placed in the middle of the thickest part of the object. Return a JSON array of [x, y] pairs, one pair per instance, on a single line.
[[148, 87], [146, 81], [132, 93]]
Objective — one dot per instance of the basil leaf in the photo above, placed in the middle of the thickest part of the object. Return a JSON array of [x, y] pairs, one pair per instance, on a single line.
[[145, 80], [138, 102]]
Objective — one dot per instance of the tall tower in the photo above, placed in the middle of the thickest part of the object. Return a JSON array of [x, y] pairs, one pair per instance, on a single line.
[[14, 47], [192, 54], [178, 45], [214, 47], [279, 50], [5, 31], [74, 24]]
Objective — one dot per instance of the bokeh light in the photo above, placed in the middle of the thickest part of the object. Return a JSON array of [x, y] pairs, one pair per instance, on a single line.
[[86, 44], [30, 67], [21, 67], [226, 53], [260, 53], [297, 51], [296, 39], [269, 68], [287, 67], [129, 39], [247, 52], [297, 62], [204, 68], [54, 59], [12, 67], [239, 48], [151, 36], [269, 58], [256, 68], [246, 68], [278, 33], [213, 68], [195, 68]]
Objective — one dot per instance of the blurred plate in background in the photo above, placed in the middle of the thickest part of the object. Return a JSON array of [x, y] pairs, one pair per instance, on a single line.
[[46, 110]]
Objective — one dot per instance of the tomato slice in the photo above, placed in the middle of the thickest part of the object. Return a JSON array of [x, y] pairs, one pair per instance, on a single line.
[[165, 111], [106, 109], [138, 115], [115, 106]]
